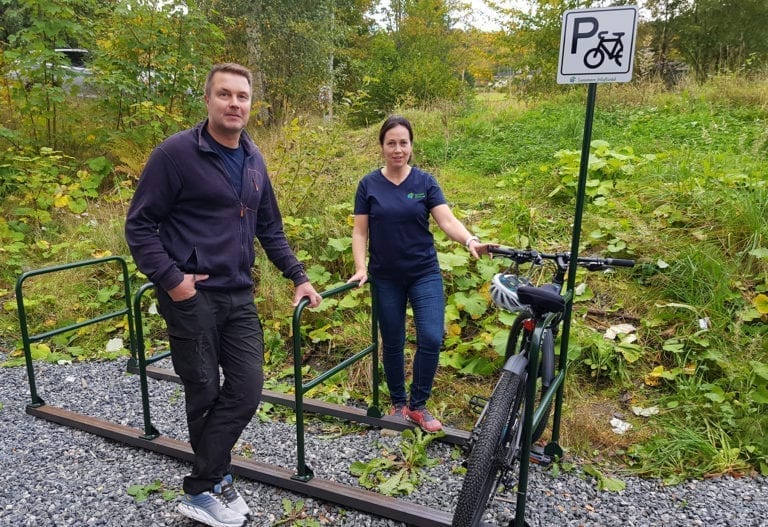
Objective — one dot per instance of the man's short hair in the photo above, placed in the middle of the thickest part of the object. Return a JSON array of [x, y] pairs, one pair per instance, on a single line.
[[227, 67]]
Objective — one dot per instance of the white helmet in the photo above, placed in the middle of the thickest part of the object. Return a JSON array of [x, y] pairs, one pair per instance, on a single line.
[[504, 291]]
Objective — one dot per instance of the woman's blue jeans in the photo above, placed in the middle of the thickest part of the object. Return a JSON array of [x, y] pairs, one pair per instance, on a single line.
[[427, 300]]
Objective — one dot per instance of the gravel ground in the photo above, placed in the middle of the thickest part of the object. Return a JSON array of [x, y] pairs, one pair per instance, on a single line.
[[52, 475]]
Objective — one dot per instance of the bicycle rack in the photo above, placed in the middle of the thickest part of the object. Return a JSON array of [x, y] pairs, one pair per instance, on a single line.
[[27, 339], [557, 388], [303, 480], [303, 472]]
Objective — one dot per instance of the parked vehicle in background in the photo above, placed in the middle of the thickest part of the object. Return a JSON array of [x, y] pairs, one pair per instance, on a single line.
[[78, 60], [73, 73], [67, 68]]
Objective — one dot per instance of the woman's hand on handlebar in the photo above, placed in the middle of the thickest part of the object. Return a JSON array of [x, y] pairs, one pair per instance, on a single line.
[[477, 249]]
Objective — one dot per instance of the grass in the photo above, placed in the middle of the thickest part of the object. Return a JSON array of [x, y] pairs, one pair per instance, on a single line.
[[693, 216], [699, 207]]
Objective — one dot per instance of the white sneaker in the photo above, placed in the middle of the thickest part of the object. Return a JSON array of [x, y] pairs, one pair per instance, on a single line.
[[232, 497], [211, 509]]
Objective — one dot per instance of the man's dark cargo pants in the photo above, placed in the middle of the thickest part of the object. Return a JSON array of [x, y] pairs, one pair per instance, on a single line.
[[212, 330]]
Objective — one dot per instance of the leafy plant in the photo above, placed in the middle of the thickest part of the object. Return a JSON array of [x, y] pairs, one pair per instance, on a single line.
[[295, 515], [606, 169], [604, 482], [398, 473], [143, 492]]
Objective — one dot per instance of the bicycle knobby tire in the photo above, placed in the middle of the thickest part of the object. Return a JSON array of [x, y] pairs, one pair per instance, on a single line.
[[499, 432]]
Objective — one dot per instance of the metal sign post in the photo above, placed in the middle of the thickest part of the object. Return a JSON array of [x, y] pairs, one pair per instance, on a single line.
[[596, 46]]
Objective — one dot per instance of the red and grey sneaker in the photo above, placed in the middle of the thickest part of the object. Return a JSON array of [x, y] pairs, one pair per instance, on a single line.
[[398, 411], [424, 419]]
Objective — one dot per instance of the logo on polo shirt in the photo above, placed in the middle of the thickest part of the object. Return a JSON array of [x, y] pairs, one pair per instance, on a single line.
[[412, 195]]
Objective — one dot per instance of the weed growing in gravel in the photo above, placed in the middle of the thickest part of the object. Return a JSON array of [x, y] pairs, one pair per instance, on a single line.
[[295, 515], [398, 473], [142, 492]]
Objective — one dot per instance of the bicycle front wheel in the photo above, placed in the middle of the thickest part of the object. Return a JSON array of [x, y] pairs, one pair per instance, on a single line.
[[495, 450]]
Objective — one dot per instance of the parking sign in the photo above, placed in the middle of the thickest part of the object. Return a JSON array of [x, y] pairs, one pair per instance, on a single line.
[[597, 45]]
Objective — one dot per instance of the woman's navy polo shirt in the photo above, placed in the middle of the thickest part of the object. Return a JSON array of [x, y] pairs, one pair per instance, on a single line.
[[400, 243]]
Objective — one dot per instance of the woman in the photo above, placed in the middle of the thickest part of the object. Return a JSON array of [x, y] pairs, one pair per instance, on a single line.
[[392, 209]]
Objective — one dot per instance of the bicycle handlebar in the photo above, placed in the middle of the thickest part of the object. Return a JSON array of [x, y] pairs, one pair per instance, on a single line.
[[561, 259]]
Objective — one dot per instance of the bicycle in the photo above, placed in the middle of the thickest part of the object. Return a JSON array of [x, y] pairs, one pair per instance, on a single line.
[[509, 420]]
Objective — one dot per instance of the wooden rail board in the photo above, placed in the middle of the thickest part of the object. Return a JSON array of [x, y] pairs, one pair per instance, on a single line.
[[360, 499], [452, 435]]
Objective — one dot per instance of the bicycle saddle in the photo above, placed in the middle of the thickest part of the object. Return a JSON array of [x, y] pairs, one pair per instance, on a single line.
[[541, 299]]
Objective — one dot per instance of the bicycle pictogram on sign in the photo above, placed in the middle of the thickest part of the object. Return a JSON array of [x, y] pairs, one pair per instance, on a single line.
[[595, 56]]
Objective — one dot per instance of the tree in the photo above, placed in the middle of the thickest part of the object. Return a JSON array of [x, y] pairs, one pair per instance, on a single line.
[[37, 93], [151, 60], [477, 56], [292, 46], [721, 35], [13, 18], [413, 60], [532, 43], [663, 15]]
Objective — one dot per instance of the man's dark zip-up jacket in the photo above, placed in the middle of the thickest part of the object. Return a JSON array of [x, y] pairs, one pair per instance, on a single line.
[[185, 217]]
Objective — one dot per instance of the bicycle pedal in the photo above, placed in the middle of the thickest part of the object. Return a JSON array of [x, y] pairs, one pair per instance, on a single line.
[[538, 457], [508, 482], [477, 403]]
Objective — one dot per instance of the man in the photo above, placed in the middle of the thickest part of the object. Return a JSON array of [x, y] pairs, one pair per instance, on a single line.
[[202, 199]]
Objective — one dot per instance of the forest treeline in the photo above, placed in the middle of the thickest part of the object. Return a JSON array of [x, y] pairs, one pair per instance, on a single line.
[[147, 58]]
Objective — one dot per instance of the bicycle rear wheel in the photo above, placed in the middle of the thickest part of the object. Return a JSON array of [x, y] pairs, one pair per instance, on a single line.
[[495, 450], [518, 341]]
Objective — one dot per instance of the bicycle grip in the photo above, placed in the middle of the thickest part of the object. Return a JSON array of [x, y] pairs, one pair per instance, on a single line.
[[503, 251], [619, 262]]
